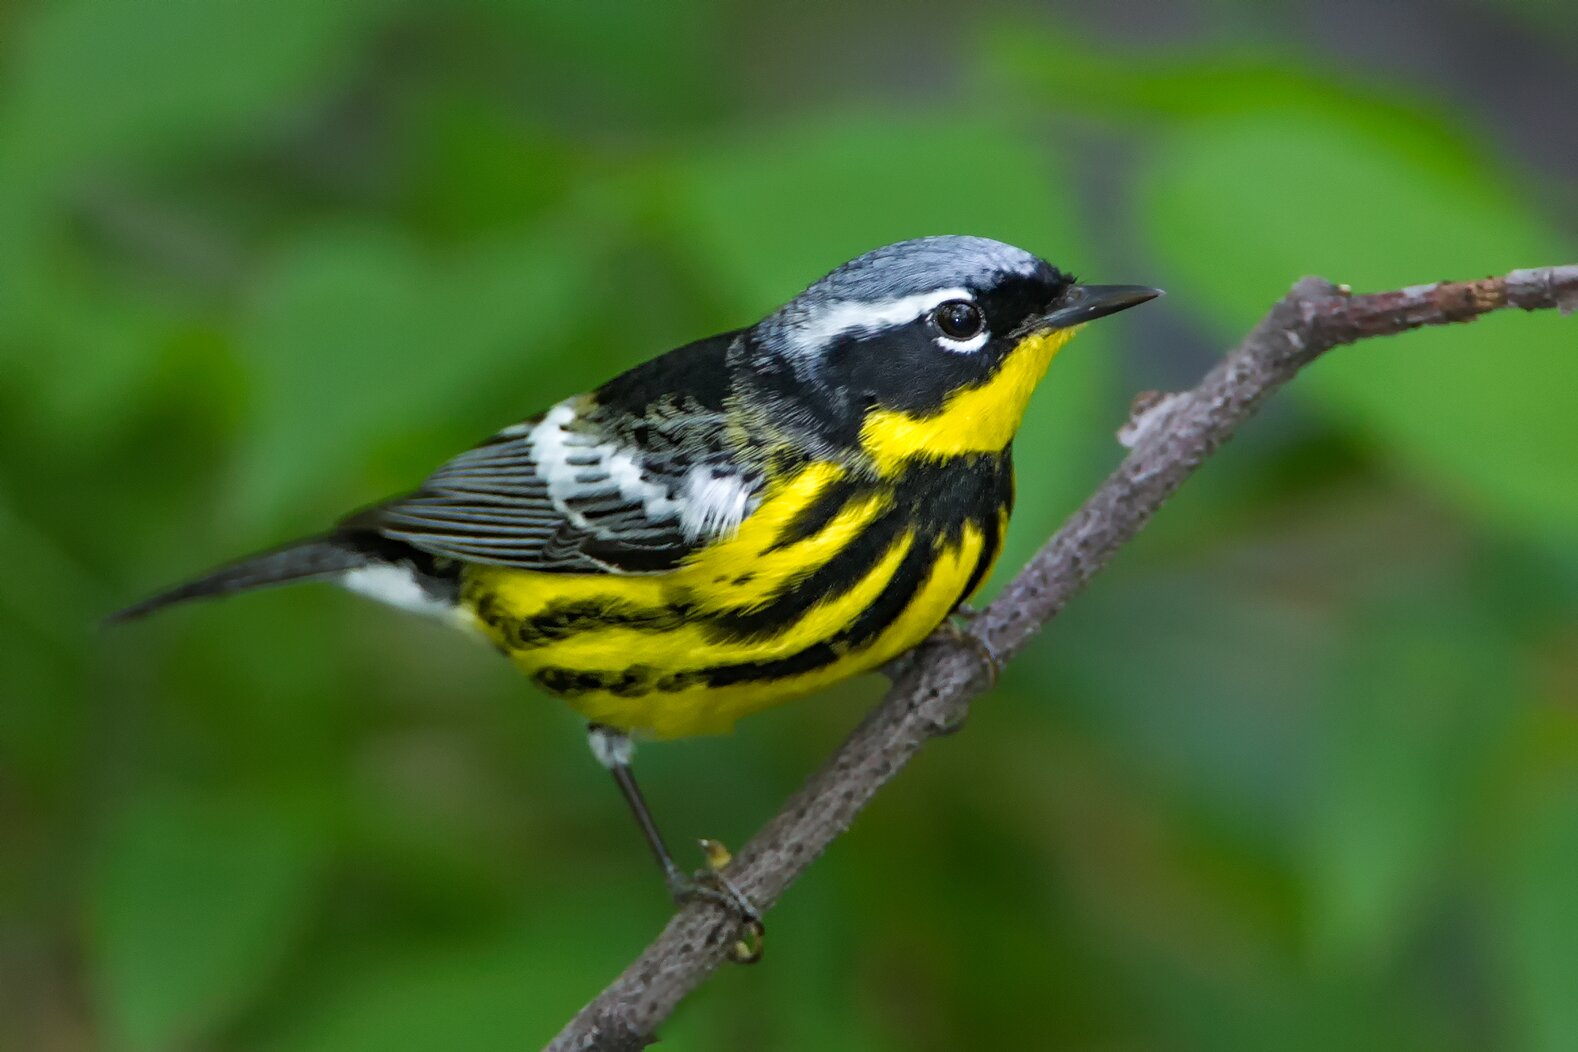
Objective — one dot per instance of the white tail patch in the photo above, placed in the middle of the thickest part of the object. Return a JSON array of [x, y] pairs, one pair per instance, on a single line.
[[397, 586]]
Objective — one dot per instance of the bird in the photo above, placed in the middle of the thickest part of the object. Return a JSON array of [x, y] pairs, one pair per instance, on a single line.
[[739, 521]]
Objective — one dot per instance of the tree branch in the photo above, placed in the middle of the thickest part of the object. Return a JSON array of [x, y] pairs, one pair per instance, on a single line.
[[1169, 439]]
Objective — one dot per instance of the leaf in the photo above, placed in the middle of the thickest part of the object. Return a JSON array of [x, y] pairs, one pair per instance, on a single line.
[[195, 901], [1543, 914], [100, 79], [95, 88], [654, 66], [479, 998], [763, 217], [476, 168], [768, 214], [1119, 86], [1410, 726], [356, 337], [1239, 206], [1201, 672], [513, 989]]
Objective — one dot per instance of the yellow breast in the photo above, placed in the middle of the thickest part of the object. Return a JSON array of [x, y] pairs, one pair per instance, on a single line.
[[692, 650]]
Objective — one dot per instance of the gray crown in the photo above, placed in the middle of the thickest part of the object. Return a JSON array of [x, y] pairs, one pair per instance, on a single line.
[[923, 264], [907, 268]]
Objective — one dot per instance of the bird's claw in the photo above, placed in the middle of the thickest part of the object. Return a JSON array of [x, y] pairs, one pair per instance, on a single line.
[[710, 885], [954, 632]]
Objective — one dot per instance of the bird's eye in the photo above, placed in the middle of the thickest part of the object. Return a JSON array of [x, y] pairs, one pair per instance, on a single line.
[[959, 319]]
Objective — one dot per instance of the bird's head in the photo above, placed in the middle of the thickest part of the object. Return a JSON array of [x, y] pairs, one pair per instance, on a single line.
[[924, 348]]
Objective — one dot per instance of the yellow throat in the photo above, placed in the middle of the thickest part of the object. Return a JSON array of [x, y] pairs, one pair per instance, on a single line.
[[980, 419]]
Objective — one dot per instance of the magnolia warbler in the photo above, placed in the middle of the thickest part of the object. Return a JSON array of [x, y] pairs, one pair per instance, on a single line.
[[741, 520]]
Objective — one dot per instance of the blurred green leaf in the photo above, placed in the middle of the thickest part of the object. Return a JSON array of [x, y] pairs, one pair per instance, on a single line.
[[98, 79], [115, 344], [625, 62], [483, 998], [356, 337], [1415, 710], [1537, 899], [766, 214], [96, 88], [195, 901], [505, 990], [1202, 674], [476, 168], [1240, 206], [1081, 79]]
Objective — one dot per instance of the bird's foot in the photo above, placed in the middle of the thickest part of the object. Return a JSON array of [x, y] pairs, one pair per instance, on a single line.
[[710, 885], [956, 634], [899, 667], [955, 630]]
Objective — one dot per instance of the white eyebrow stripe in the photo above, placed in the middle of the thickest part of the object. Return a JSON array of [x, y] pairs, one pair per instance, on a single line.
[[842, 317]]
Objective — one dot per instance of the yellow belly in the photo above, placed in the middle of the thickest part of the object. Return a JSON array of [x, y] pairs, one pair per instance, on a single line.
[[636, 658]]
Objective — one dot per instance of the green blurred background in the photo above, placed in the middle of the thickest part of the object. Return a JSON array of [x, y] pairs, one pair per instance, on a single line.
[[1299, 772]]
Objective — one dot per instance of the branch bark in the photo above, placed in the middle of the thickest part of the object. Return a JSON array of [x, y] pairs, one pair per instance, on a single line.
[[932, 694]]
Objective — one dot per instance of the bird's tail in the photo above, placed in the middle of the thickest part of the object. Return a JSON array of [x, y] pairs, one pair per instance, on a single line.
[[313, 559]]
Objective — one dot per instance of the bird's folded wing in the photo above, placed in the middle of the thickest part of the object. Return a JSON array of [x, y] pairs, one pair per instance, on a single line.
[[573, 492]]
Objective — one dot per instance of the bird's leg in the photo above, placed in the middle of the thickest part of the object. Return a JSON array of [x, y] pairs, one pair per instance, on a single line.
[[613, 750]]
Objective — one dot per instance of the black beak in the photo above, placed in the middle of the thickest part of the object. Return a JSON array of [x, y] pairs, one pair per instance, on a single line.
[[1082, 303]]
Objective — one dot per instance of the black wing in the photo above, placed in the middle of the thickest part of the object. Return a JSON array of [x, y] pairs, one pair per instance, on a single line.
[[631, 479]]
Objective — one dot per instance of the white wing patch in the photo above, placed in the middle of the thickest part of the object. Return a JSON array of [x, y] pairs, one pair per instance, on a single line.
[[578, 469], [714, 504], [577, 466], [566, 493]]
